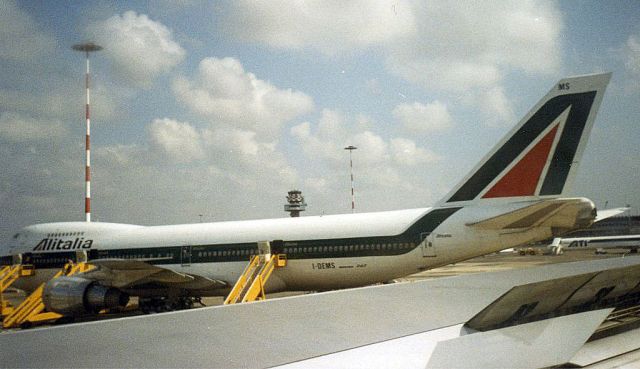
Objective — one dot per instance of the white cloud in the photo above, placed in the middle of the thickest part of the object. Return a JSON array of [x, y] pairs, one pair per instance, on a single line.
[[418, 117], [239, 142], [477, 43], [327, 26], [461, 47], [140, 48], [441, 72], [470, 53], [313, 145], [43, 172], [632, 54], [372, 149], [334, 132], [15, 127], [496, 106], [385, 168], [317, 184], [328, 139], [183, 171], [447, 45], [20, 37], [233, 154], [405, 153], [224, 92], [243, 159], [177, 140], [373, 86]]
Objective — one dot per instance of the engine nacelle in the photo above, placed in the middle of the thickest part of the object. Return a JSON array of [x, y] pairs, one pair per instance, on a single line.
[[76, 295]]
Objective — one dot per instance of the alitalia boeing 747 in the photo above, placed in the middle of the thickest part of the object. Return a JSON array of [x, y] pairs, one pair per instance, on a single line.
[[514, 196]]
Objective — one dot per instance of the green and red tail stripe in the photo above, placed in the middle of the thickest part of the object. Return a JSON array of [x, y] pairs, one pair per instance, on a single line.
[[539, 156]]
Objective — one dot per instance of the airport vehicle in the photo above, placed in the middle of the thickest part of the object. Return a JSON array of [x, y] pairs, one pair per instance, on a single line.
[[514, 196], [629, 242]]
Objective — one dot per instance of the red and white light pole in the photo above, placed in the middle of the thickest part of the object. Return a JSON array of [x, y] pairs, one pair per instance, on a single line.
[[87, 47], [353, 196]]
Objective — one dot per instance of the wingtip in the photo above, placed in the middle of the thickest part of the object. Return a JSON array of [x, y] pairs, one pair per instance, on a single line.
[[608, 213]]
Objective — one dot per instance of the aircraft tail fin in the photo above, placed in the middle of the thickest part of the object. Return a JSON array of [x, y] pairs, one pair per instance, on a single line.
[[539, 157]]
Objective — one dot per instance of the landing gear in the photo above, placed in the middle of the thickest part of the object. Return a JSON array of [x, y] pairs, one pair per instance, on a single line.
[[150, 305]]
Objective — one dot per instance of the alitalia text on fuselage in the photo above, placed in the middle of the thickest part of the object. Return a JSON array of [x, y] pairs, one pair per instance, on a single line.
[[49, 244]]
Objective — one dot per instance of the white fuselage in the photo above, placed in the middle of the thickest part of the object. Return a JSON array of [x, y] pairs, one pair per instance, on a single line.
[[324, 252]]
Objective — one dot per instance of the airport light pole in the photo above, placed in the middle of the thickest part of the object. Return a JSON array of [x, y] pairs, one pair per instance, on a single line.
[[87, 48], [353, 196]]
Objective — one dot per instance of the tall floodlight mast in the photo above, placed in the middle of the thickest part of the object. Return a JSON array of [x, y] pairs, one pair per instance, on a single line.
[[353, 196], [87, 48]]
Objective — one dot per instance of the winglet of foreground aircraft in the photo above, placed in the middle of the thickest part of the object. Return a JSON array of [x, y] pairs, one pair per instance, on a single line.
[[514, 196]]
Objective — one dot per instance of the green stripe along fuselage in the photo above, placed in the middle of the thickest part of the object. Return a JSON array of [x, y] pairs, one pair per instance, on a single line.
[[351, 247]]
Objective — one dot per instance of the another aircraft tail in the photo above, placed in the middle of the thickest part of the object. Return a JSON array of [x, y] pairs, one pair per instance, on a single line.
[[539, 157]]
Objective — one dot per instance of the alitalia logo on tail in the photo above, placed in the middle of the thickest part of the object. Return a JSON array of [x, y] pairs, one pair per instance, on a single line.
[[58, 244], [523, 177], [538, 156]]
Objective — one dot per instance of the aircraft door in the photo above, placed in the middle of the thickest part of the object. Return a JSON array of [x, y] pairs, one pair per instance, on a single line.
[[428, 246], [185, 256]]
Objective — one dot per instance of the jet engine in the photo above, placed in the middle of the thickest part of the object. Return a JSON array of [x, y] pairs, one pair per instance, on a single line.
[[76, 296]]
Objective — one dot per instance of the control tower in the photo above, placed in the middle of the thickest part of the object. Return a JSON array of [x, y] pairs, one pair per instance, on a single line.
[[295, 203]]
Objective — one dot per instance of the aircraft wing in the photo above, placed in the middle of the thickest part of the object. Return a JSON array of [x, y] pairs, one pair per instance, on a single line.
[[557, 213], [608, 213], [124, 274], [442, 322]]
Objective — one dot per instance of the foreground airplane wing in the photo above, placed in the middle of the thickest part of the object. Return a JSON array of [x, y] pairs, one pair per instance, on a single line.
[[404, 325], [131, 273], [538, 344]]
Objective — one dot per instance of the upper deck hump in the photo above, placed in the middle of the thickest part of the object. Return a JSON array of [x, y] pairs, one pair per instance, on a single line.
[[287, 229]]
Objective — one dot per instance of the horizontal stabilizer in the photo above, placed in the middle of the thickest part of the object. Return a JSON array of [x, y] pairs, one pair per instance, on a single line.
[[608, 213], [558, 213]]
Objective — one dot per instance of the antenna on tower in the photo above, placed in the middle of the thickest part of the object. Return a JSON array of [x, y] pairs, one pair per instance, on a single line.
[[87, 48]]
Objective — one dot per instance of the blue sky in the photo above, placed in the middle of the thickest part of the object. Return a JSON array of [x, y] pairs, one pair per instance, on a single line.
[[219, 108]]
